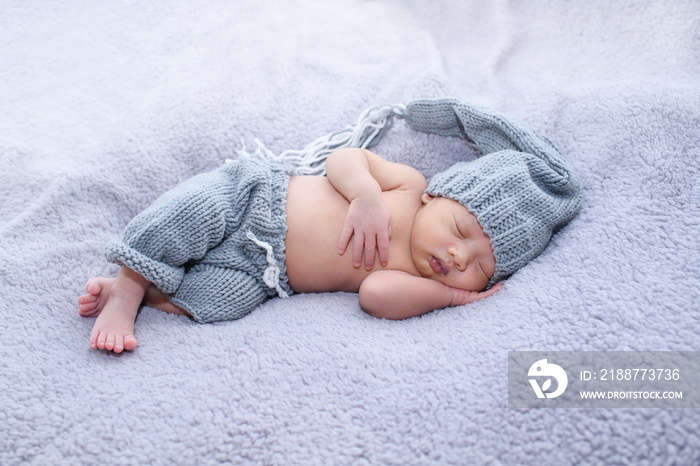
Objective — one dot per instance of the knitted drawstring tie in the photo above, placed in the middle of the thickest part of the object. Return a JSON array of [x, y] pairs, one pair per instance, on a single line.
[[311, 160]]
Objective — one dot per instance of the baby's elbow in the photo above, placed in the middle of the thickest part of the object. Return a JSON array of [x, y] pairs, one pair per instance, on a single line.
[[373, 300], [379, 302]]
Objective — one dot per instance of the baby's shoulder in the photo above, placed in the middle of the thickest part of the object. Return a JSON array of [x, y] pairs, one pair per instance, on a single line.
[[413, 180]]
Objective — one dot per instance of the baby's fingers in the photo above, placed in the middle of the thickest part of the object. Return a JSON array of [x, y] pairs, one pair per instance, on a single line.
[[485, 294], [357, 247], [370, 250], [345, 239], [460, 297], [383, 249]]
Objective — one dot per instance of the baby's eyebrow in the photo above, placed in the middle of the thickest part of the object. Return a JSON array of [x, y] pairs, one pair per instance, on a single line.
[[469, 221]]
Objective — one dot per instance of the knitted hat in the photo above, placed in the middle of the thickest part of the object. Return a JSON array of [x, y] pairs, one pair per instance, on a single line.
[[521, 189]]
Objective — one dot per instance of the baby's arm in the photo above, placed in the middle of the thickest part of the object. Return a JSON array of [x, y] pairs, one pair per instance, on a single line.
[[392, 294], [361, 176]]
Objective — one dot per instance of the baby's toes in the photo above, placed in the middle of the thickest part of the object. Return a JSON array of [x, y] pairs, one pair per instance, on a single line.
[[88, 309], [88, 305], [102, 340], [130, 342], [87, 298], [118, 343], [93, 338], [109, 342], [92, 287]]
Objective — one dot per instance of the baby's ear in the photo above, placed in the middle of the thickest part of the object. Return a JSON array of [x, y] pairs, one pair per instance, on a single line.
[[426, 198]]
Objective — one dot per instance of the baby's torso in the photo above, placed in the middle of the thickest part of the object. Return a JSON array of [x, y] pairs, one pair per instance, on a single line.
[[315, 218]]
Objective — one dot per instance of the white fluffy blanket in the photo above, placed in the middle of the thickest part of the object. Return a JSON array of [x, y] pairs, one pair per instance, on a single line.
[[105, 105]]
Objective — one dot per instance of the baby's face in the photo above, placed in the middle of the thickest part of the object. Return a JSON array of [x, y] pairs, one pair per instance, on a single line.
[[449, 245]]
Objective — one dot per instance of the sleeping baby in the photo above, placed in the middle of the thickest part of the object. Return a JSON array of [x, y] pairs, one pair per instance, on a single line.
[[217, 246]]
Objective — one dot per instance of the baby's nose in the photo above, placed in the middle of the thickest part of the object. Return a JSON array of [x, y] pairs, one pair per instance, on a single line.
[[459, 256]]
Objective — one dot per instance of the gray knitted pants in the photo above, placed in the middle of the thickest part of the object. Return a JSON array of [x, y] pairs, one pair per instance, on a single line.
[[214, 244]]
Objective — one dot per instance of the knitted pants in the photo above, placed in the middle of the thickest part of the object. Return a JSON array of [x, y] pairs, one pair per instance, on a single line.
[[214, 244]]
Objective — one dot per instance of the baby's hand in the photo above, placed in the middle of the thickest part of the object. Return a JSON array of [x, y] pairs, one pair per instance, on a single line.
[[460, 296], [369, 221]]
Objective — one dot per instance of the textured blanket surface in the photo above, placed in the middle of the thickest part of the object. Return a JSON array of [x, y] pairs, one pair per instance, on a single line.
[[105, 105]]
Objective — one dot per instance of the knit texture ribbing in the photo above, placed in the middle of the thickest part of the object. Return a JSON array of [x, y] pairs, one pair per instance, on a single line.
[[194, 242], [521, 189]]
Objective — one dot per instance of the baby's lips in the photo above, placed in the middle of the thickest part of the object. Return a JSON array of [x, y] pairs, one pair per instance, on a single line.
[[439, 266]]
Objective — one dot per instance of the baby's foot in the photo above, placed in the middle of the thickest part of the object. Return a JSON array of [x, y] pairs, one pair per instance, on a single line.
[[95, 297], [114, 327]]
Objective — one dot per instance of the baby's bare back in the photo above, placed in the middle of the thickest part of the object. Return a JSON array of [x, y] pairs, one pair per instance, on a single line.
[[315, 218]]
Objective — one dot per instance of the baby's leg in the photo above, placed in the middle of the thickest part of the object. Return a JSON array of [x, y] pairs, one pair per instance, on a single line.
[[97, 291], [158, 300], [117, 301], [98, 294]]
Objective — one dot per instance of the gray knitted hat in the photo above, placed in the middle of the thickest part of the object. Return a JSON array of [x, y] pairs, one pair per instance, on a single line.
[[521, 189]]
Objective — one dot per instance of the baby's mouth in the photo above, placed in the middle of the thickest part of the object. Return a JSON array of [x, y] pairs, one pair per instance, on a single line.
[[439, 266]]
